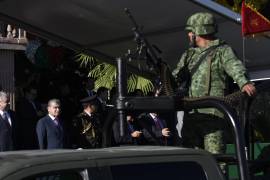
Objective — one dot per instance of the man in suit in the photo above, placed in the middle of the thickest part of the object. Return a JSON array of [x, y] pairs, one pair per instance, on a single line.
[[28, 111], [155, 129], [133, 134], [88, 88], [102, 98], [6, 139], [50, 129]]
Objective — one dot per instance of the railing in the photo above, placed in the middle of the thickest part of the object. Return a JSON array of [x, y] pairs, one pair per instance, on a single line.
[[12, 35]]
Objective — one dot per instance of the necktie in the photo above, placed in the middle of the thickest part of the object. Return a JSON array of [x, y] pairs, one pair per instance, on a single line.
[[33, 104], [5, 117], [158, 123], [130, 127], [160, 126], [56, 121]]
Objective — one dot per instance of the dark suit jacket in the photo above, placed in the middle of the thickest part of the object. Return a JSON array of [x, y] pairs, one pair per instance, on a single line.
[[50, 135], [127, 139], [28, 118], [6, 135], [152, 134]]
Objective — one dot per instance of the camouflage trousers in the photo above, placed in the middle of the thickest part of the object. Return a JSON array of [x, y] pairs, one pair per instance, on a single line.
[[204, 131]]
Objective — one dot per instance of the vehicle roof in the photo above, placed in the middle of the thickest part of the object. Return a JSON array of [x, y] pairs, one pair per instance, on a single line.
[[13, 160], [111, 152]]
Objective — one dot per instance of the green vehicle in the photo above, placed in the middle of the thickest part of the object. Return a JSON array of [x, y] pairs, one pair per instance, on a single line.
[[110, 163]]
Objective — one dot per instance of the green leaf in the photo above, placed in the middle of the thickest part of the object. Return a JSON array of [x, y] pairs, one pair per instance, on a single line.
[[105, 75], [85, 60]]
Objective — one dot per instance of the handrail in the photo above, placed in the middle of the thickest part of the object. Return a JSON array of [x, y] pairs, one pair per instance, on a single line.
[[230, 115], [175, 104]]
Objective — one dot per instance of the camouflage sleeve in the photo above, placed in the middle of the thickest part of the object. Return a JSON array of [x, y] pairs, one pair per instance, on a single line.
[[180, 64], [234, 67]]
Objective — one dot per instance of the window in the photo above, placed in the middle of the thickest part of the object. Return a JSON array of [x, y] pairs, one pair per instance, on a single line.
[[159, 171], [65, 175]]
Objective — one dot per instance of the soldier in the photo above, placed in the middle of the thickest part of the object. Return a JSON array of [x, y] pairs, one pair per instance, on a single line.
[[214, 61], [86, 125]]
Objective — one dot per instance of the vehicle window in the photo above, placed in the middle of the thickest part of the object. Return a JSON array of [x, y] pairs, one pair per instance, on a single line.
[[65, 175], [99, 173], [159, 171]]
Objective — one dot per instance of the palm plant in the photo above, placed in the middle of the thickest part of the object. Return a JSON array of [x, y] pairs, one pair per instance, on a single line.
[[105, 75]]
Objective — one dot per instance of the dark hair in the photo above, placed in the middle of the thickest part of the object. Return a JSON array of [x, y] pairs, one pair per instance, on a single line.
[[28, 89]]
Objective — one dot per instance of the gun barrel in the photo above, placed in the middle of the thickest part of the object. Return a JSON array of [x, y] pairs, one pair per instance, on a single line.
[[127, 11]]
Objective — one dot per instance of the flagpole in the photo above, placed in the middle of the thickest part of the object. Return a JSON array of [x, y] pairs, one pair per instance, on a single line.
[[243, 117], [244, 50], [243, 34]]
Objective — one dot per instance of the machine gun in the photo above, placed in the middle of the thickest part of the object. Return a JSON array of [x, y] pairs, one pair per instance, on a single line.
[[165, 81], [143, 45]]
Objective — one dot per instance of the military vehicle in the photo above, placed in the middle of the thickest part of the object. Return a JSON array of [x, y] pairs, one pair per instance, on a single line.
[[110, 163]]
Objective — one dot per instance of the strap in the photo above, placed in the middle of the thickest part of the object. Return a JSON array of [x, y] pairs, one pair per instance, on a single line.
[[188, 56], [208, 80], [196, 66]]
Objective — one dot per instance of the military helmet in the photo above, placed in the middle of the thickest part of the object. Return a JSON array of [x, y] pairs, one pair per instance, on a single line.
[[201, 23]]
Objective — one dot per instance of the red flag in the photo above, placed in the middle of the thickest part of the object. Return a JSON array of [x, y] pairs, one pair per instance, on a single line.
[[253, 21]]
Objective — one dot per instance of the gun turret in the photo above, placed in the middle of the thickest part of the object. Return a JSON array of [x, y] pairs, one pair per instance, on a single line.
[[143, 45], [154, 62]]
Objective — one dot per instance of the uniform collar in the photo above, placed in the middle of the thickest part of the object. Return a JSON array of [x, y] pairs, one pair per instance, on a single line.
[[211, 43], [215, 42]]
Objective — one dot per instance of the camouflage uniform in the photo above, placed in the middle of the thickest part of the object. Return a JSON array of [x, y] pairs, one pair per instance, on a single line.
[[210, 78], [87, 131]]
